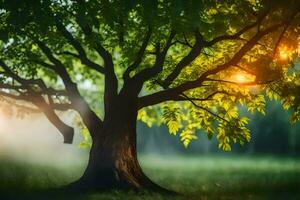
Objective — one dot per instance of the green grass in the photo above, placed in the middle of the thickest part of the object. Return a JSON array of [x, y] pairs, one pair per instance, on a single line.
[[195, 177]]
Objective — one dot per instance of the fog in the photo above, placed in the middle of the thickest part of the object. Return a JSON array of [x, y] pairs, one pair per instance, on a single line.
[[34, 139]]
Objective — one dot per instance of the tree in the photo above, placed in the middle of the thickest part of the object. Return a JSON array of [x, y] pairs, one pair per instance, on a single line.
[[197, 61]]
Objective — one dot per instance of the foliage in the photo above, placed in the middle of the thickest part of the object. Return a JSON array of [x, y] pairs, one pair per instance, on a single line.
[[187, 64]]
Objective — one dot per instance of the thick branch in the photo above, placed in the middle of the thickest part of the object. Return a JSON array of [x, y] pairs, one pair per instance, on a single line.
[[89, 117], [58, 67], [76, 44], [200, 44], [111, 81], [66, 130], [38, 101], [192, 55], [163, 95]]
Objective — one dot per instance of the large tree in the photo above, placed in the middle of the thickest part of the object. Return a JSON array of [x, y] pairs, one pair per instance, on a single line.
[[190, 64]]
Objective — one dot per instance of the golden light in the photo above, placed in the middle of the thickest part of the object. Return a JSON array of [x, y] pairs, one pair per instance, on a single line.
[[284, 53], [243, 79], [240, 78]]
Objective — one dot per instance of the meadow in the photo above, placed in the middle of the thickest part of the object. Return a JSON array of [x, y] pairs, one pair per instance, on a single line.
[[193, 177]]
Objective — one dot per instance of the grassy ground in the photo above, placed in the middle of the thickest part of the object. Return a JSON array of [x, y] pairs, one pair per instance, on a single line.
[[195, 177]]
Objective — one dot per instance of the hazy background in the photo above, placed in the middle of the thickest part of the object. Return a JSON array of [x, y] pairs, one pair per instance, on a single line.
[[34, 139]]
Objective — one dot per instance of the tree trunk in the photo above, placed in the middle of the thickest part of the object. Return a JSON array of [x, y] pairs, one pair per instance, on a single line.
[[113, 160]]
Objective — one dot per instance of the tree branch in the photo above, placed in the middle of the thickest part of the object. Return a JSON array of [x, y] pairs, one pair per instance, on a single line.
[[111, 81], [251, 83], [203, 108], [89, 117], [148, 73], [192, 55], [37, 99], [162, 95], [139, 56], [81, 52], [200, 44], [66, 130]]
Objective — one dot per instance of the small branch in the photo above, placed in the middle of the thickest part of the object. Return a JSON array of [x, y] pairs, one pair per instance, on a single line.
[[243, 69], [148, 73], [186, 41], [205, 109], [139, 56], [240, 32], [252, 83], [209, 97]]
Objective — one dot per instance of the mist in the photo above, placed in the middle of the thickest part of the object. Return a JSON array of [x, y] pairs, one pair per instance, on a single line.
[[34, 139]]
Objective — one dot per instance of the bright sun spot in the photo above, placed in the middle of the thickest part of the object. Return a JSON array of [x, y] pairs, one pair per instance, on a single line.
[[240, 78], [283, 53], [286, 53]]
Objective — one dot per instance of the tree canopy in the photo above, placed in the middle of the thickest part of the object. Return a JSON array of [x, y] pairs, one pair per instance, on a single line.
[[192, 64]]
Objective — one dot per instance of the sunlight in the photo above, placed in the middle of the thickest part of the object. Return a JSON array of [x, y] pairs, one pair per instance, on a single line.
[[284, 53], [244, 80], [240, 78]]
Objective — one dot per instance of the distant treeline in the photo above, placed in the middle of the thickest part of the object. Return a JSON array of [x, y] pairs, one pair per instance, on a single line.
[[271, 134]]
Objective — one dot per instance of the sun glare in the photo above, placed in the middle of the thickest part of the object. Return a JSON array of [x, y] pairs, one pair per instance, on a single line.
[[240, 78], [283, 54], [286, 53]]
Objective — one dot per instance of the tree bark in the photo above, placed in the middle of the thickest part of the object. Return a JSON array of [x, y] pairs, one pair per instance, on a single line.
[[113, 162]]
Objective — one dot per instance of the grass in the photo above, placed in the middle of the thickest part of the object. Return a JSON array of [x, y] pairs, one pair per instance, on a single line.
[[196, 177]]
